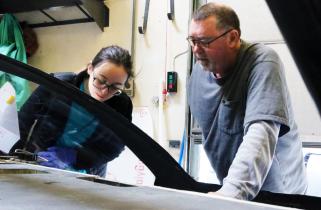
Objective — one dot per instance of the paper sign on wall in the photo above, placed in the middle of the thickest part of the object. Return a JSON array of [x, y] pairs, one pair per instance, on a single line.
[[127, 167]]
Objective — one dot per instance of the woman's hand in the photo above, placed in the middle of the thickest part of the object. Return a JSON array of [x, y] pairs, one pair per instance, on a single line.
[[58, 157]]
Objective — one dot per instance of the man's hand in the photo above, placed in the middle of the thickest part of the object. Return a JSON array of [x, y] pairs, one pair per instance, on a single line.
[[58, 157]]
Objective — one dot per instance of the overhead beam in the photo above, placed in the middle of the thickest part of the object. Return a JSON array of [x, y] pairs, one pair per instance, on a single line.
[[16, 6]]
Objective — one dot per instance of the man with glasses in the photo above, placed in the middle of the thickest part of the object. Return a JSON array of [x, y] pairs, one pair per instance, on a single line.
[[65, 134], [238, 95]]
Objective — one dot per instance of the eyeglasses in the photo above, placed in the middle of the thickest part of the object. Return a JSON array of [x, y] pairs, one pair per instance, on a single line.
[[101, 84], [206, 41]]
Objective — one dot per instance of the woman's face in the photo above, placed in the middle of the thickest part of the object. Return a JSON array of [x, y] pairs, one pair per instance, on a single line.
[[106, 80]]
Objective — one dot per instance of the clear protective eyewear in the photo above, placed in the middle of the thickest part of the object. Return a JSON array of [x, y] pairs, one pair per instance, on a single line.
[[206, 41], [101, 84]]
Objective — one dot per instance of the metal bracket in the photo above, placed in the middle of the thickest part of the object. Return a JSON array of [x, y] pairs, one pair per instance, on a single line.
[[171, 14], [142, 29]]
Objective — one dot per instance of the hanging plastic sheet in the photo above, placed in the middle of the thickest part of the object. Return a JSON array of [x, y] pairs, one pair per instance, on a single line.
[[11, 45]]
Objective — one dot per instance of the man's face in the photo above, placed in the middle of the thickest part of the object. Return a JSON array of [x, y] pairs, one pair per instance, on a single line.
[[211, 55]]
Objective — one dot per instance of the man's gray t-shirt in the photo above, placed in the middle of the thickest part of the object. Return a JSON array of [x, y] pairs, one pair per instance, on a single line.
[[254, 91]]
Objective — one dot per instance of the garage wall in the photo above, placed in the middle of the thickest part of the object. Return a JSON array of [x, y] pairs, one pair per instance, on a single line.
[[154, 56]]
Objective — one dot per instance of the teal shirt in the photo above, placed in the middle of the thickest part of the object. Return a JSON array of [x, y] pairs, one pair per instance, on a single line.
[[79, 127]]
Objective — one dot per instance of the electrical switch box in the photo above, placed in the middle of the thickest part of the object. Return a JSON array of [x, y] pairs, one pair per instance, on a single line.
[[172, 82]]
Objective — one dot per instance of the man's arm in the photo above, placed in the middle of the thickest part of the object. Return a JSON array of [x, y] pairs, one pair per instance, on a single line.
[[252, 161]]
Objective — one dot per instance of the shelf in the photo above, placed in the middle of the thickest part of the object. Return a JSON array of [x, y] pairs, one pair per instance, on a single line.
[[44, 13]]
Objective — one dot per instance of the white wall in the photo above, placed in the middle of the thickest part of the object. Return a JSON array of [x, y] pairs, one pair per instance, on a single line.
[[154, 53]]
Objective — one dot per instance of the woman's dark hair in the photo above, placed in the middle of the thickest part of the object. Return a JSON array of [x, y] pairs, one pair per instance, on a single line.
[[116, 55]]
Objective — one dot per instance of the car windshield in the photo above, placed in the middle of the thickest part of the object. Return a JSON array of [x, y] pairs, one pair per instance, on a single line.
[[48, 119]]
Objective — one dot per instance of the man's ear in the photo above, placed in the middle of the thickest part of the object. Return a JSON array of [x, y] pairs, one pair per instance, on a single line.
[[233, 38]]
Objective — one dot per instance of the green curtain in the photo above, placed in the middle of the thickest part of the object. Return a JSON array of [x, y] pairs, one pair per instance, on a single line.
[[12, 45]]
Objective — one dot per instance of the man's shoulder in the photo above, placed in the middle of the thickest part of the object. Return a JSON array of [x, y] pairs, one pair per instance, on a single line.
[[261, 51]]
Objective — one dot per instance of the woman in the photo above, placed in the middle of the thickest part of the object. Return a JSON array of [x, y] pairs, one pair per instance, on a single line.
[[63, 133]]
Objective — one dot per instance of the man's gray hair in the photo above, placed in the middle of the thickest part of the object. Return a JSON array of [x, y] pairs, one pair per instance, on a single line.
[[225, 16]]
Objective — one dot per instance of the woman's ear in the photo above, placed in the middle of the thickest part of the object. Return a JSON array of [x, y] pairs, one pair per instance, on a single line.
[[90, 68]]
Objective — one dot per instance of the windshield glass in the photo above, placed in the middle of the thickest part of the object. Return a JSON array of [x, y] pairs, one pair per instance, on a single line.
[[53, 130]]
